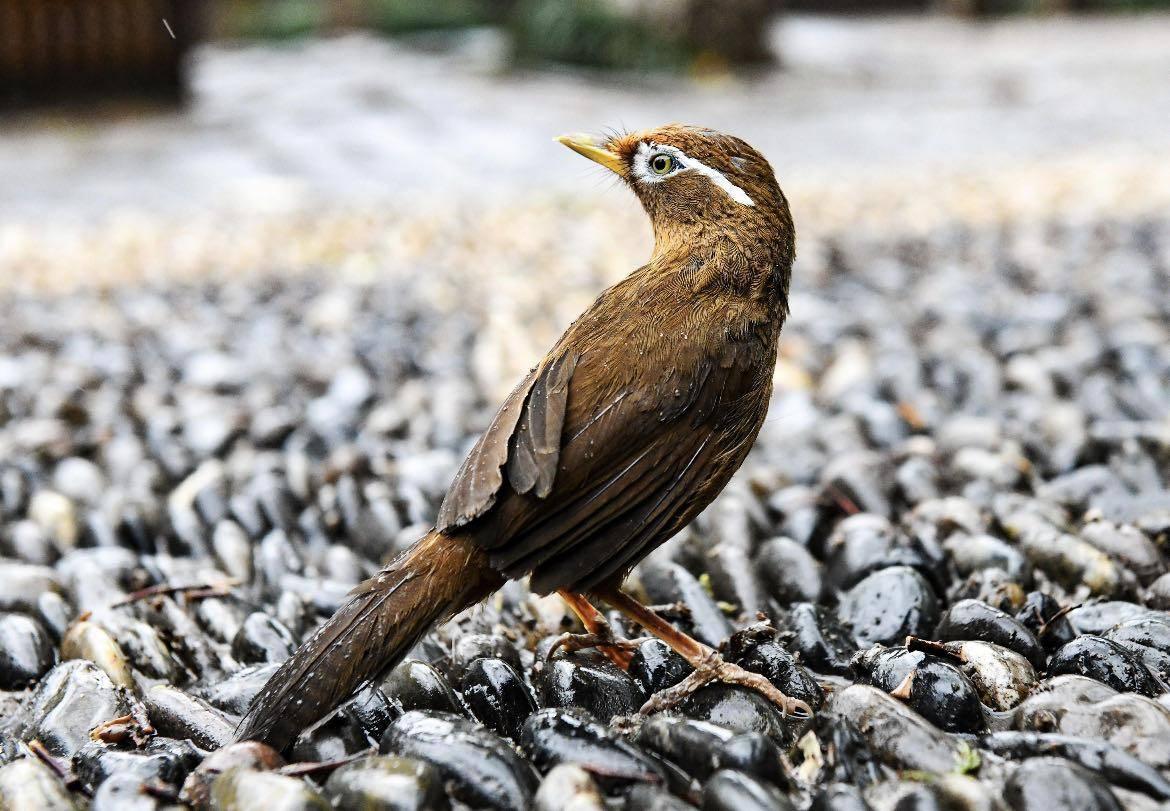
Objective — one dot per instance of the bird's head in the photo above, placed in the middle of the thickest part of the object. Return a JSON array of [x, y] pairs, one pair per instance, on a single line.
[[698, 186]]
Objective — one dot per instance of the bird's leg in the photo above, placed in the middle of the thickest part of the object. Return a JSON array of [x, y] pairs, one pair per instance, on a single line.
[[708, 664], [598, 634]]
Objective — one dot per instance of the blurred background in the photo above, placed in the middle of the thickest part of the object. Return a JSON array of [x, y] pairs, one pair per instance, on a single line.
[[198, 139], [366, 153], [267, 267], [149, 142], [182, 108]]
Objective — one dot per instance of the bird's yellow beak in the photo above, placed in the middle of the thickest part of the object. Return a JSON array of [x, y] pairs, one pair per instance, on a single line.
[[588, 146]]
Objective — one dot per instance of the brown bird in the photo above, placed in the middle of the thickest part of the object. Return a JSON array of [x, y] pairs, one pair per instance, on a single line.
[[630, 426]]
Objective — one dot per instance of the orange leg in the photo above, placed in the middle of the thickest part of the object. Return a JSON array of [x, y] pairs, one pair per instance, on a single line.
[[598, 634], [708, 664]]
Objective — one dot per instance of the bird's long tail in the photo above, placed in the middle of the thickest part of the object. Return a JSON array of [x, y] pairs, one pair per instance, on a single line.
[[378, 624]]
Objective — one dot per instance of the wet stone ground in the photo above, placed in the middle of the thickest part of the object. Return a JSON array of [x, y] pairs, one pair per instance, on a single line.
[[951, 539]]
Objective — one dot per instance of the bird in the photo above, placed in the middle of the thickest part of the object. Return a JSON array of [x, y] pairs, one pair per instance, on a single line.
[[629, 427]]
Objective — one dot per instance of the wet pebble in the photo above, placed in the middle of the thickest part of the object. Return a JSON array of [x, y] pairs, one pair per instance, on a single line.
[[1107, 662], [251, 755], [125, 792], [331, 739], [672, 583], [568, 788], [1097, 617], [26, 651], [386, 782], [818, 638], [1043, 616], [497, 696], [29, 784], [935, 689], [971, 619], [165, 760], [789, 571], [862, 544], [1083, 707], [655, 667], [1128, 546], [24, 583], [839, 797], [1002, 677], [555, 736], [415, 685], [480, 768], [898, 735], [467, 648], [740, 710], [1054, 784], [702, 748], [1104, 759], [848, 757], [756, 649], [262, 638], [73, 698], [889, 605], [693, 745], [729, 790], [588, 680], [175, 713], [970, 553], [644, 797], [1148, 638], [239, 789]]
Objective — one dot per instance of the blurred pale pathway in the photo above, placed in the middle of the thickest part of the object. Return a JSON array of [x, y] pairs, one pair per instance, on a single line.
[[361, 121]]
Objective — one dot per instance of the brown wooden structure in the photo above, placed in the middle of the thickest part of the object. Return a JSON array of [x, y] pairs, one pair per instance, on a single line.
[[77, 50]]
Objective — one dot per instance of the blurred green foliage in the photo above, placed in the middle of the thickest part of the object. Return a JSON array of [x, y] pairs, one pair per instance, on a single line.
[[619, 34], [590, 32], [270, 19], [409, 16]]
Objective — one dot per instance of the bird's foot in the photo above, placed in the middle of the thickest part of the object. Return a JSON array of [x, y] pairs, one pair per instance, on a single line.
[[617, 650], [711, 667]]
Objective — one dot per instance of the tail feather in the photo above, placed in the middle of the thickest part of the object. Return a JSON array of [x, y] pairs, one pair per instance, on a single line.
[[377, 625]]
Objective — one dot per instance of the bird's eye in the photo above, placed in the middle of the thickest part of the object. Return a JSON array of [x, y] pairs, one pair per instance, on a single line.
[[661, 163]]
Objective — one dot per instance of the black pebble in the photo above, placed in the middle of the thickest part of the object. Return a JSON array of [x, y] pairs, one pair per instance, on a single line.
[[414, 685], [889, 605], [656, 667], [588, 680], [973, 620], [758, 651], [262, 639], [740, 710], [27, 651], [820, 640], [1107, 662], [497, 696], [729, 790], [1054, 784], [480, 768], [1042, 616]]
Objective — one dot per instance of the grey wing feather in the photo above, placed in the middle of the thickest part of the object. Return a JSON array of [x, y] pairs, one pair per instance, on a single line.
[[525, 436], [478, 481], [536, 443]]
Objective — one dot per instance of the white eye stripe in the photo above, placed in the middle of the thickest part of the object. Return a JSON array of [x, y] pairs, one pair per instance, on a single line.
[[644, 173]]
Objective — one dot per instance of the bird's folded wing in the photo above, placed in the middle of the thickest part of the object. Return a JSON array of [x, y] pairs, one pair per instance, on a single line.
[[598, 475], [527, 428]]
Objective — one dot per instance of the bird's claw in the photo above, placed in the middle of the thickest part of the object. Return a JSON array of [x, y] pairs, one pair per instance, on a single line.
[[618, 651], [714, 668]]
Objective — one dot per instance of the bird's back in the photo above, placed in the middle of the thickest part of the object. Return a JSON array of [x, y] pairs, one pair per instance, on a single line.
[[629, 428]]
